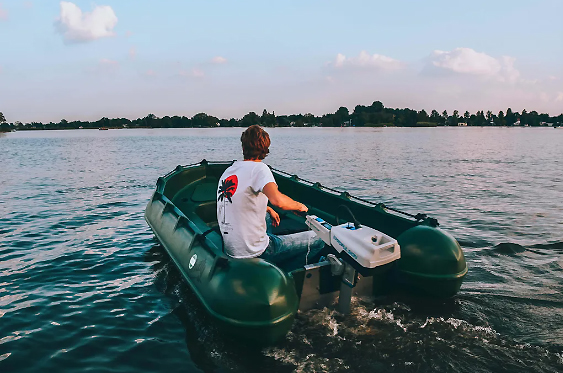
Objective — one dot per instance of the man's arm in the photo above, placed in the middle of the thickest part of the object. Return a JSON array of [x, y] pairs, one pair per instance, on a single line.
[[274, 215], [280, 200]]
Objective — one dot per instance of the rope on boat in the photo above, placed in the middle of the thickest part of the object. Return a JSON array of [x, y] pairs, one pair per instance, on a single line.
[[418, 217]]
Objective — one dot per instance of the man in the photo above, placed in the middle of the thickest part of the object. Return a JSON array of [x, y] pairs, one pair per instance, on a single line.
[[242, 203]]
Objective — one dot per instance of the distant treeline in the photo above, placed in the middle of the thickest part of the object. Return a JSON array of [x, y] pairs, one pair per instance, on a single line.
[[374, 115]]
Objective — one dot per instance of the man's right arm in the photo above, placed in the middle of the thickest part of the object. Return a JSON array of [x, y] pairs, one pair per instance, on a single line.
[[280, 200]]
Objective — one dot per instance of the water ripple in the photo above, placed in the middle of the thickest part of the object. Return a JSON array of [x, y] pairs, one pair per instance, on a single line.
[[84, 285]]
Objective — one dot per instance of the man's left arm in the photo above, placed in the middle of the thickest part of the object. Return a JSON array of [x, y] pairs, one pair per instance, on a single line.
[[274, 215]]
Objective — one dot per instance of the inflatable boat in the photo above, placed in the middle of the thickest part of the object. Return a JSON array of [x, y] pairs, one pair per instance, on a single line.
[[371, 249]]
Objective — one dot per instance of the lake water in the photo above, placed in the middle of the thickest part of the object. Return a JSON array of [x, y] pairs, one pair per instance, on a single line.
[[84, 285]]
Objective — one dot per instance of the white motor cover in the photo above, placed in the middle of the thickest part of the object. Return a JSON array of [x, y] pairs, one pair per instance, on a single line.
[[369, 247]]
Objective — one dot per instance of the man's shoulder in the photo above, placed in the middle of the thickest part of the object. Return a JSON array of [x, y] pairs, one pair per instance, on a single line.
[[262, 166], [249, 166], [237, 165]]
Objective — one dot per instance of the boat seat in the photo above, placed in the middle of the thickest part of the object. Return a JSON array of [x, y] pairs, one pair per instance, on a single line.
[[205, 191], [208, 213]]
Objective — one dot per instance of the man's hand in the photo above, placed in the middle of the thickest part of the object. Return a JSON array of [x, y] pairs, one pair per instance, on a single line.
[[275, 217]]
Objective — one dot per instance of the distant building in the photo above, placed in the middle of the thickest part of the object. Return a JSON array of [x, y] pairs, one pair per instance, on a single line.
[[517, 123], [462, 124]]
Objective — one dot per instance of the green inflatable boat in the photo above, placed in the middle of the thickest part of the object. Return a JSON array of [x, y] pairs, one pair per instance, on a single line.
[[257, 301]]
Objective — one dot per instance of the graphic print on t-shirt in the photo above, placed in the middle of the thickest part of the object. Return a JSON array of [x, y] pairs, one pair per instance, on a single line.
[[228, 188]]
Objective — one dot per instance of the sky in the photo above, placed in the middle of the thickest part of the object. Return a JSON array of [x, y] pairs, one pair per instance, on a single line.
[[83, 60]]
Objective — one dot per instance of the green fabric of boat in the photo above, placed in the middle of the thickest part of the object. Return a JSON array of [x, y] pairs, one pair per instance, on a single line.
[[205, 192], [253, 299]]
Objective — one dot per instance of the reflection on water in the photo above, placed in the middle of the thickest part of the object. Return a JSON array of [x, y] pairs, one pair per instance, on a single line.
[[84, 284]]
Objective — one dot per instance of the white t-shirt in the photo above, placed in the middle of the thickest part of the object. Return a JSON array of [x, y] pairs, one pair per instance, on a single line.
[[241, 208]]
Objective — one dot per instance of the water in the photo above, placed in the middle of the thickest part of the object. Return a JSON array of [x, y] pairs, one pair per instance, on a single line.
[[85, 286]]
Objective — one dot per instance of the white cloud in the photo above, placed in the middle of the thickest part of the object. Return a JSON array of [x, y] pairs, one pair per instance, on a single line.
[[469, 61], [108, 62], [544, 97], [3, 14], [77, 26], [364, 59], [107, 66], [219, 60], [508, 72], [194, 73], [197, 73], [559, 97]]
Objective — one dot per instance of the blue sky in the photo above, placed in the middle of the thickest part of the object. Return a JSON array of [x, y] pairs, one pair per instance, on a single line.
[[85, 60]]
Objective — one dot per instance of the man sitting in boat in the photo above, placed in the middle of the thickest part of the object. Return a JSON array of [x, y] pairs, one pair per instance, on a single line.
[[244, 217]]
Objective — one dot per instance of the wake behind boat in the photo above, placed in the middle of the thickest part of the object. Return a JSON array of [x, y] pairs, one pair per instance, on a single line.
[[383, 250]]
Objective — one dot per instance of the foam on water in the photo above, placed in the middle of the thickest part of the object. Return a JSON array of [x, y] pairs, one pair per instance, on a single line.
[[383, 336]]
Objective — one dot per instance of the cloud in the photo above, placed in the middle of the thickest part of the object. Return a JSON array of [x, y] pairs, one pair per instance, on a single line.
[[132, 53], [365, 60], [559, 97], [28, 4], [106, 66], [77, 26], [198, 73], [108, 62], [469, 61], [150, 73], [3, 14], [219, 60], [194, 73]]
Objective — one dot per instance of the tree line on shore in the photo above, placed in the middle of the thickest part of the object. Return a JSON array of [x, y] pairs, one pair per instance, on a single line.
[[374, 115]]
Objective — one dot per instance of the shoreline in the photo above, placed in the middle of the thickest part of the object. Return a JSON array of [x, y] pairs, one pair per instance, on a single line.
[[306, 127]]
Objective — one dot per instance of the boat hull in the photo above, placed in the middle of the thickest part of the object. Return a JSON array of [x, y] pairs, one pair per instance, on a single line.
[[250, 298], [255, 300]]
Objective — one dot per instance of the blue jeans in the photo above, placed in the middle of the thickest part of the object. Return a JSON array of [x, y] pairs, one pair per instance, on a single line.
[[291, 248]]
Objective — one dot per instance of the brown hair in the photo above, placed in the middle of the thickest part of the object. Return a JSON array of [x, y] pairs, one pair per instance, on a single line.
[[255, 143]]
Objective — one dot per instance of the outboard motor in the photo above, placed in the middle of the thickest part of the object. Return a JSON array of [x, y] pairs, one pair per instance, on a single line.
[[360, 249]]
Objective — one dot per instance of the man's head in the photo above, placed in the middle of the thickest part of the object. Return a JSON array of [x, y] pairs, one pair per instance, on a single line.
[[255, 143]]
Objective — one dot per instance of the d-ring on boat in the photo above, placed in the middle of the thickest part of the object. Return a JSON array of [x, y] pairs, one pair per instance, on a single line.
[[255, 300]]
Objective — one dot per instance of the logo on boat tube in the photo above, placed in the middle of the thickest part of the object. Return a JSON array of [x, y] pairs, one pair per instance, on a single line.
[[228, 188], [192, 261]]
